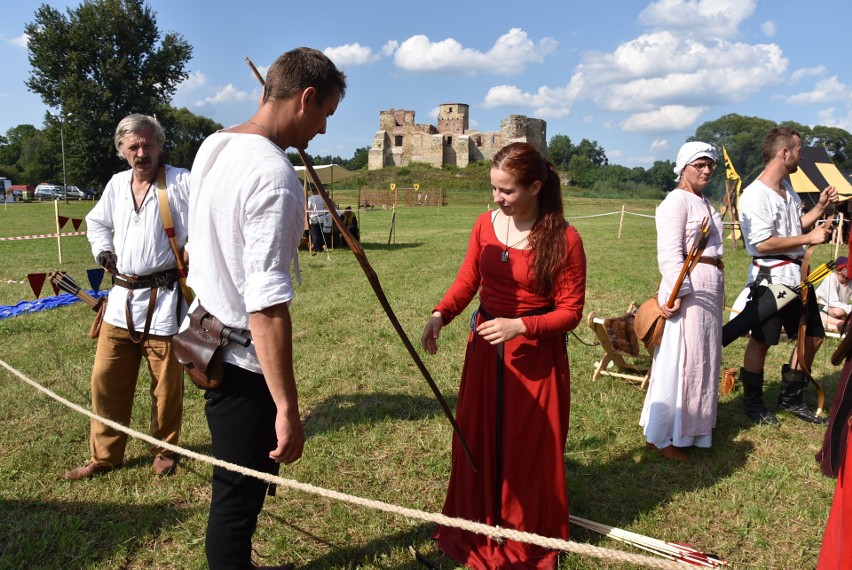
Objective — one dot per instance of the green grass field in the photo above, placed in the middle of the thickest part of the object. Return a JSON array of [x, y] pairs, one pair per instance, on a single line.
[[756, 498]]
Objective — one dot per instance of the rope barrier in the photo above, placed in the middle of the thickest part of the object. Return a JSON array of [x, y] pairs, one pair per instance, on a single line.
[[40, 236], [611, 214], [480, 528]]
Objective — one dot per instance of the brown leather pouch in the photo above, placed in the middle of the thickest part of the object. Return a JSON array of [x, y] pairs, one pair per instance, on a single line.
[[648, 322], [197, 348]]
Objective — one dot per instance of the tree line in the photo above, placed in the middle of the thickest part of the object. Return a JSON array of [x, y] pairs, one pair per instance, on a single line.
[[106, 59], [585, 165]]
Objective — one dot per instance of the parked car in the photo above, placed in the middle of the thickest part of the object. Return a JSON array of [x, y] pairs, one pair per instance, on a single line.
[[75, 193], [46, 191]]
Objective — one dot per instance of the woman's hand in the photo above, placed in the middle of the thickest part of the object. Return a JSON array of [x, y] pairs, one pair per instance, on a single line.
[[429, 338], [501, 330], [669, 313]]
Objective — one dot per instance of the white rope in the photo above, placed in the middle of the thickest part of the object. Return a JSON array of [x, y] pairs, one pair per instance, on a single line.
[[437, 518], [610, 214]]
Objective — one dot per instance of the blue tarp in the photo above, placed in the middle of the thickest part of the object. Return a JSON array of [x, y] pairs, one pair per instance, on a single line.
[[24, 307]]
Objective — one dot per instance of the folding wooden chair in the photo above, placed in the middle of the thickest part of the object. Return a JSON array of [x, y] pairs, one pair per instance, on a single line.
[[622, 349]]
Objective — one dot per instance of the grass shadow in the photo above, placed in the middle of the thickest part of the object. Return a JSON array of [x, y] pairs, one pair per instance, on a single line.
[[372, 553], [621, 490], [80, 534], [351, 409]]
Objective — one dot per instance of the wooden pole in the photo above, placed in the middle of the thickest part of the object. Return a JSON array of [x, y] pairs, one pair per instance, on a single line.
[[729, 191], [621, 222], [58, 239], [392, 233], [838, 236]]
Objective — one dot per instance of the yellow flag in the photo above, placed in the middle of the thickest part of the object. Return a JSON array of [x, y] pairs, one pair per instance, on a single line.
[[730, 172]]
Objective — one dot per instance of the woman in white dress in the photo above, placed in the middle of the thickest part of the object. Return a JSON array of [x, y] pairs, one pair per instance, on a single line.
[[680, 406]]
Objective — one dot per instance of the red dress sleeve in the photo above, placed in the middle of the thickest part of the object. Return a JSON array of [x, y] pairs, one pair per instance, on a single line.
[[468, 279], [569, 297]]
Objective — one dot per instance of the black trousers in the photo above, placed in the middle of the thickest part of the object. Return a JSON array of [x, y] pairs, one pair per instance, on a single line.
[[241, 418], [317, 238]]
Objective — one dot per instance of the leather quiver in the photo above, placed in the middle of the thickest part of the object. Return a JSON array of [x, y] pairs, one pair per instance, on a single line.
[[198, 348]]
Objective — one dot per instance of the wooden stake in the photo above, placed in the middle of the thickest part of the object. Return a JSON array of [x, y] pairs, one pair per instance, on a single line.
[[621, 222], [58, 239], [838, 239]]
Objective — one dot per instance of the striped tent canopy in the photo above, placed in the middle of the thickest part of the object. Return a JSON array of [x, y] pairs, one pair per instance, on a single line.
[[816, 172]]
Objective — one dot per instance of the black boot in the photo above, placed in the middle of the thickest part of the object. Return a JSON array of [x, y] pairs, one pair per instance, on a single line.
[[792, 397], [755, 407]]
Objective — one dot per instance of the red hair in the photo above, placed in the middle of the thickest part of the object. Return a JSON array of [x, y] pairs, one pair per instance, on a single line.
[[547, 237]]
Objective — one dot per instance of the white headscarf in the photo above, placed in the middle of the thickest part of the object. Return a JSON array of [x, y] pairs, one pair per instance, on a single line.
[[691, 151]]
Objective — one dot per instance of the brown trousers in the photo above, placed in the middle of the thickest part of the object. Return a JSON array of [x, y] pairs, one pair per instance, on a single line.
[[114, 378]]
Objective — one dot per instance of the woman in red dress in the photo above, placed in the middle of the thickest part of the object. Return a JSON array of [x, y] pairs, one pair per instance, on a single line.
[[529, 268]]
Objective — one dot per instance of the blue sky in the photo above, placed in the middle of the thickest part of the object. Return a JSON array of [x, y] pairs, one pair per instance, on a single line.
[[636, 76]]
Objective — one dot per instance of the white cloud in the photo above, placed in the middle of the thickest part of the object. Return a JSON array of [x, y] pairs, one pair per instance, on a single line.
[[349, 55], [804, 72], [663, 68], [704, 18], [828, 119], [228, 94], [659, 144], [389, 48], [666, 118], [194, 82], [824, 91], [768, 28], [667, 78], [508, 56], [21, 41], [547, 102]]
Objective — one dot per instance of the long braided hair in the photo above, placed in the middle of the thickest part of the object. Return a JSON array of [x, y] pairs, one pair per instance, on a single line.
[[547, 237]]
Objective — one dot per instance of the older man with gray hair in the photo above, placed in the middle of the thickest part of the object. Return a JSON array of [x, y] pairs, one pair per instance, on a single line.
[[128, 238]]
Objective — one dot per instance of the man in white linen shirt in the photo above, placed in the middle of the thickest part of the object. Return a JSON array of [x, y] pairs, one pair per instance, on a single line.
[[772, 223], [247, 217], [128, 239]]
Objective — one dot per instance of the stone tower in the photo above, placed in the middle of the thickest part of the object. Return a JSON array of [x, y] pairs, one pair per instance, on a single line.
[[453, 118]]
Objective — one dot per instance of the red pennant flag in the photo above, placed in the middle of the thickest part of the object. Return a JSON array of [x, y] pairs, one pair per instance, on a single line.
[[76, 223], [36, 282], [62, 221]]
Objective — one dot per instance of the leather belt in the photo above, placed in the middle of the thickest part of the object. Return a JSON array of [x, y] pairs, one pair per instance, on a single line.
[[783, 259], [715, 261], [165, 278]]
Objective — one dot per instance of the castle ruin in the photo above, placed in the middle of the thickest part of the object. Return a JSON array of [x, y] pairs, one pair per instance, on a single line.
[[400, 141]]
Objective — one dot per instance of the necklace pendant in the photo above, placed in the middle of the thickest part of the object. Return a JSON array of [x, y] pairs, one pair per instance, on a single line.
[[504, 257]]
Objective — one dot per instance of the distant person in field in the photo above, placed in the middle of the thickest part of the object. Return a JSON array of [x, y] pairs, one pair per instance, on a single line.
[[773, 226], [128, 239], [529, 268], [834, 295], [680, 405], [316, 218], [350, 220]]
